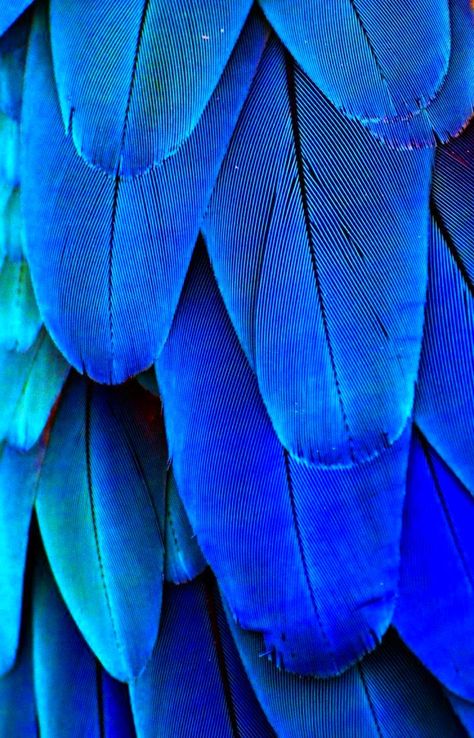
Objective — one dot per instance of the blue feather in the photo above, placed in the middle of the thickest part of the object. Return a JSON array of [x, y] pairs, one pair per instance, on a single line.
[[307, 555], [464, 710], [20, 319], [74, 695], [326, 299], [445, 387], [183, 557], [12, 66], [17, 699], [134, 79], [108, 255], [195, 684], [10, 10], [447, 113], [103, 487], [387, 695], [18, 479], [30, 384], [435, 609], [372, 58], [11, 224], [10, 148]]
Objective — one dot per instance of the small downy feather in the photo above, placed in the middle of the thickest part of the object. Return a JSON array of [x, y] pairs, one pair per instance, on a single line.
[[30, 384], [372, 58], [445, 386], [195, 684], [387, 695], [134, 79], [327, 300], [74, 695], [264, 520], [183, 558], [103, 486], [451, 108], [108, 254], [435, 608], [18, 480], [20, 320]]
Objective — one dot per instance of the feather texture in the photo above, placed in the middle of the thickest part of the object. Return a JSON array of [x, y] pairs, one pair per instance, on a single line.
[[17, 699], [327, 300], [20, 319], [435, 609], [133, 80], [103, 487], [75, 696], [183, 558], [195, 684], [109, 304], [373, 59], [307, 556], [10, 11]]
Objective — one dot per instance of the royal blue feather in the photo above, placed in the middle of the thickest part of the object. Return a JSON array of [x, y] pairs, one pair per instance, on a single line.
[[435, 608], [17, 699], [103, 487], [183, 557], [306, 555], [30, 384], [372, 58], [134, 79], [20, 320], [387, 695], [18, 479], [195, 684], [327, 300], [445, 387], [10, 11], [108, 255], [453, 104], [74, 695]]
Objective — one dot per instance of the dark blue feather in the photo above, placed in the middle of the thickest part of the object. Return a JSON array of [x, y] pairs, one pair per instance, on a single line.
[[17, 699], [74, 695], [20, 319], [464, 710], [109, 254], [445, 388], [103, 487], [195, 684], [134, 79], [306, 555], [10, 10], [18, 479], [372, 58], [327, 300], [387, 695], [435, 608], [30, 384], [12, 65], [452, 106], [183, 557]]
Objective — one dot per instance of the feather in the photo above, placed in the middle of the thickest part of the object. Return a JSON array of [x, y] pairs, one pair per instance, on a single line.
[[12, 66], [21, 321], [435, 608], [195, 684], [111, 314], [30, 384], [326, 299], [103, 487], [373, 59], [18, 479], [445, 386], [17, 700], [447, 113], [11, 225], [134, 79], [307, 555], [11, 10], [183, 557], [74, 695], [464, 710], [388, 695], [10, 148]]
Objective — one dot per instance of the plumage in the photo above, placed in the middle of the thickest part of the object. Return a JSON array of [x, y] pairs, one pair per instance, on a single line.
[[17, 699], [102, 485], [118, 330], [183, 558], [21, 321], [10, 11], [239, 486]]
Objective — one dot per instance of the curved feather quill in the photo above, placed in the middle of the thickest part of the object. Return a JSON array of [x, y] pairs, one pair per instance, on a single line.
[[103, 487], [108, 255], [326, 299], [308, 556]]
